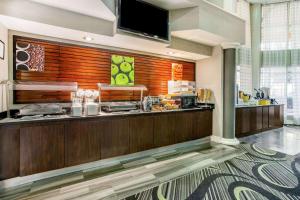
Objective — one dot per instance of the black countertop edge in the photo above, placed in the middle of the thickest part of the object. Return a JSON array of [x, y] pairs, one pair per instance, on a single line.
[[7, 121], [253, 106]]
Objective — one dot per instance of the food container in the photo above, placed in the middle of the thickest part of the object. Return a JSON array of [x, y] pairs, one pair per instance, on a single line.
[[147, 104], [76, 110], [91, 108], [41, 109], [264, 102]]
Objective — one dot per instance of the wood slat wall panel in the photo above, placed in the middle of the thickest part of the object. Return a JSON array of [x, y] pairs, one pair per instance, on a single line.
[[89, 66]]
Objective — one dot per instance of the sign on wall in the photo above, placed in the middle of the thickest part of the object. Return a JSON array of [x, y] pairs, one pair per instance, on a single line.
[[122, 70], [177, 72]]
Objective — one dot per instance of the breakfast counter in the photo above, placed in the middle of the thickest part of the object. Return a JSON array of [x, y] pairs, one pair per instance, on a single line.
[[53, 118], [251, 119], [253, 106], [32, 146]]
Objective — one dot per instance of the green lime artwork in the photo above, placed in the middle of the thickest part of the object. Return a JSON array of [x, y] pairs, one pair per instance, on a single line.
[[122, 70]]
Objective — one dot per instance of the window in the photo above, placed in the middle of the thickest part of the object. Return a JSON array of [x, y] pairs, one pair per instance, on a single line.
[[280, 47], [244, 70], [274, 27], [243, 54]]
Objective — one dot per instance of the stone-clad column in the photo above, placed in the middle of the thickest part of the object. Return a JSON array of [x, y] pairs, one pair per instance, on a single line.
[[256, 10], [229, 96]]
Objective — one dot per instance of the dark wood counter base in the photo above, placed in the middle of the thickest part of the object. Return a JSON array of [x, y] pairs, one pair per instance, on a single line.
[[251, 120], [30, 148]]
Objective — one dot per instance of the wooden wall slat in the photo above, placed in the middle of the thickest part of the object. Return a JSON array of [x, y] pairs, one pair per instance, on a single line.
[[89, 66]]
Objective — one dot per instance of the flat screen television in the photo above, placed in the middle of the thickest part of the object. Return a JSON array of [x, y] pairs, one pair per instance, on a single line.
[[142, 18]]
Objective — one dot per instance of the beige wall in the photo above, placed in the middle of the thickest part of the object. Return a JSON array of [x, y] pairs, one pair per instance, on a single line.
[[209, 74], [215, 22], [32, 11], [228, 5], [3, 67]]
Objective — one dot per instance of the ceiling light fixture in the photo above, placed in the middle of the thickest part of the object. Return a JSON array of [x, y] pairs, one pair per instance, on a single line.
[[170, 52], [87, 38]]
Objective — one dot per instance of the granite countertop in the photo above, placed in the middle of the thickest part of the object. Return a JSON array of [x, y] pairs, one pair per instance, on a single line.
[[103, 114], [250, 106]]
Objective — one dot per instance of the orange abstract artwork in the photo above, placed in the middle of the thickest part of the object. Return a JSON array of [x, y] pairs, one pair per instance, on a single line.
[[177, 71]]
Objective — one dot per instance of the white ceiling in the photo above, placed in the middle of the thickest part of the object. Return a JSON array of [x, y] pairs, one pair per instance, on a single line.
[[93, 8], [171, 4], [96, 8], [117, 41], [200, 36]]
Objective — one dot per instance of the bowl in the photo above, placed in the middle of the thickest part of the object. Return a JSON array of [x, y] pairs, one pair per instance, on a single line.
[[264, 102]]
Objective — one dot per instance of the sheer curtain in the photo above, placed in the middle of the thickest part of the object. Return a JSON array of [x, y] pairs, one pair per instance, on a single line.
[[280, 47]]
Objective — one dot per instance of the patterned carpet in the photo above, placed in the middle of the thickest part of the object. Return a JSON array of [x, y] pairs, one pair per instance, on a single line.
[[257, 174]]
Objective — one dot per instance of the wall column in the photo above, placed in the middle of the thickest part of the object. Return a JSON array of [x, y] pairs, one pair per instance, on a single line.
[[209, 74], [3, 68], [229, 83], [255, 14]]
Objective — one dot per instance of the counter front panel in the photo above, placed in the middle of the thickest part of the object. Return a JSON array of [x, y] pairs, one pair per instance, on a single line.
[[254, 119], [40, 146]]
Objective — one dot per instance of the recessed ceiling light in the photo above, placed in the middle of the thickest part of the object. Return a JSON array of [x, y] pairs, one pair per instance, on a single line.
[[170, 52], [87, 38]]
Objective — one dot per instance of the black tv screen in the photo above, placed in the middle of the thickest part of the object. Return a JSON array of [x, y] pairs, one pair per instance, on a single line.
[[143, 18]]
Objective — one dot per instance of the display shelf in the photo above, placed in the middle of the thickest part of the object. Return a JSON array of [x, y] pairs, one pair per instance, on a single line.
[[44, 86], [107, 87], [36, 86], [5, 88], [181, 87], [122, 88]]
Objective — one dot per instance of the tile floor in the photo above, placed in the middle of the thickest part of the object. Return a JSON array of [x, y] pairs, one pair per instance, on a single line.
[[128, 177], [258, 174], [285, 140]]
